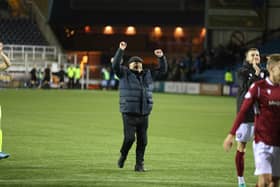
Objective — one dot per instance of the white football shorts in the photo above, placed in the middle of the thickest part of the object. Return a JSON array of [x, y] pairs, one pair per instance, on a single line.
[[267, 159], [245, 132]]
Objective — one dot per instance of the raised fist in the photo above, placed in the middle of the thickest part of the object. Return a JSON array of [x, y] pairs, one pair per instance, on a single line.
[[257, 69], [158, 53], [123, 45]]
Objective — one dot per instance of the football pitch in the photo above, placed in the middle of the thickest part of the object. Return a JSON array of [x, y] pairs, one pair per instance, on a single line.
[[72, 138]]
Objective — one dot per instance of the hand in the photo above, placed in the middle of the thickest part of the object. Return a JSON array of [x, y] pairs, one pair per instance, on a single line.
[[228, 142], [123, 45], [257, 69], [158, 53]]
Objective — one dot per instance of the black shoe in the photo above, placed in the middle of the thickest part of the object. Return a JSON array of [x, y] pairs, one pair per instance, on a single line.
[[139, 168], [121, 161]]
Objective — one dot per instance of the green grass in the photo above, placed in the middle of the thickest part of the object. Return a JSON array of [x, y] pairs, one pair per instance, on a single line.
[[72, 138]]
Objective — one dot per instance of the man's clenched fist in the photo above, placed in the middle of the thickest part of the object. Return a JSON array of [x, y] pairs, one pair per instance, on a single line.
[[123, 45], [158, 53]]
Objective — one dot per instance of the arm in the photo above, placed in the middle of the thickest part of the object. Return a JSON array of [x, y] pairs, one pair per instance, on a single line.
[[256, 76], [248, 102], [162, 60], [116, 62], [5, 59]]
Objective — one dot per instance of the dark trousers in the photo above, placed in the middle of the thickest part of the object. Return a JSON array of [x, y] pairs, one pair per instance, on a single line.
[[77, 83], [71, 82], [132, 125]]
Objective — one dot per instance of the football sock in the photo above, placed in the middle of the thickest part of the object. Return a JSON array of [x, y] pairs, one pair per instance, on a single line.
[[241, 180], [239, 163]]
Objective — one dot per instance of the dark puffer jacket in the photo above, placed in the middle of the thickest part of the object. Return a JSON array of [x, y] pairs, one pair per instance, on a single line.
[[135, 88]]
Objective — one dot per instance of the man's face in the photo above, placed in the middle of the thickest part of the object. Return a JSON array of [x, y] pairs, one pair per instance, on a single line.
[[253, 56], [274, 72], [136, 66]]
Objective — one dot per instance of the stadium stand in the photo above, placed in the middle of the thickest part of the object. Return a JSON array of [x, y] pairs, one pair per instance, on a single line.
[[24, 32], [270, 47], [207, 56]]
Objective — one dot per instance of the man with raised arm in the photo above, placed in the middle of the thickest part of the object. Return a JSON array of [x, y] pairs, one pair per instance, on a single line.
[[136, 86]]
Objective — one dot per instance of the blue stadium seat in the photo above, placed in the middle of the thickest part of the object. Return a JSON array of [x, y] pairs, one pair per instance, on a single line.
[[20, 31]]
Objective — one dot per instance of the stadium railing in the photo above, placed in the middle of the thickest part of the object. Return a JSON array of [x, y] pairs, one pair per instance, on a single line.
[[18, 52]]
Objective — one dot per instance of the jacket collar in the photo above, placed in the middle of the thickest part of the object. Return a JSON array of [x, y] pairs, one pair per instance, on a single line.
[[246, 64]]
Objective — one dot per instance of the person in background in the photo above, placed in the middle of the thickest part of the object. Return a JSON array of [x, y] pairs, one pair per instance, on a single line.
[[77, 76], [70, 74], [264, 96], [47, 77], [3, 66], [105, 78], [40, 76], [61, 75], [249, 73], [228, 77], [5, 60], [114, 78], [33, 77]]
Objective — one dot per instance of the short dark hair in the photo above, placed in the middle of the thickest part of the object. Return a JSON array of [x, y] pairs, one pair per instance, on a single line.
[[250, 49]]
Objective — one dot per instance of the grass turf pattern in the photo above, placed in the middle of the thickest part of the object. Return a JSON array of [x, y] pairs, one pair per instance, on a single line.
[[72, 138]]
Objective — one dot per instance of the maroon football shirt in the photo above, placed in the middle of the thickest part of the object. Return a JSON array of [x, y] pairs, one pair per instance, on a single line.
[[265, 96]]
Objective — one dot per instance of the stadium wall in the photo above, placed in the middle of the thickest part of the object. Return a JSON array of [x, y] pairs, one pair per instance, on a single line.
[[196, 88]]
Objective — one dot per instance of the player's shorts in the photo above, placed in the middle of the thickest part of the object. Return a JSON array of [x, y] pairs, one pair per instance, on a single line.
[[245, 132], [267, 159]]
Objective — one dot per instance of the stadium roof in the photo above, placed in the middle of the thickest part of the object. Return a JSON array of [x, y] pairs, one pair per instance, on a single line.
[[120, 12]]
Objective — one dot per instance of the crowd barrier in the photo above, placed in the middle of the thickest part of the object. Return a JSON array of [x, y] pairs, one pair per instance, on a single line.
[[196, 88]]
